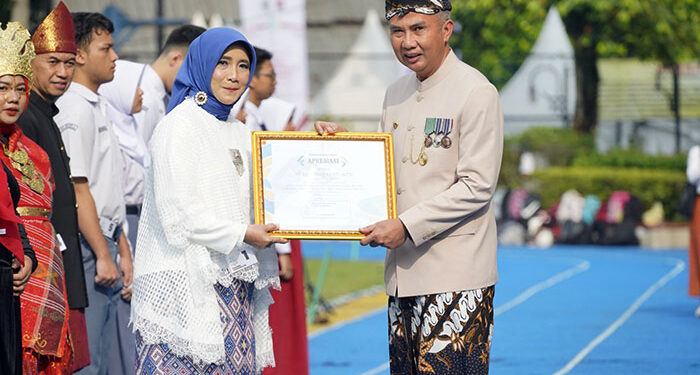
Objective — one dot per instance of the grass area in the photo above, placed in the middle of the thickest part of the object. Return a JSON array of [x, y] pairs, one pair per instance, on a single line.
[[344, 276]]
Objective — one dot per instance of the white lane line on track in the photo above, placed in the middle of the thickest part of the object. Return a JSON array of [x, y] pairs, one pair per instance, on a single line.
[[531, 291], [522, 297], [680, 266]]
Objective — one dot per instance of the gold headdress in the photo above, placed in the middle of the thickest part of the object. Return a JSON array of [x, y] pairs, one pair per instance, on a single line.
[[16, 51]]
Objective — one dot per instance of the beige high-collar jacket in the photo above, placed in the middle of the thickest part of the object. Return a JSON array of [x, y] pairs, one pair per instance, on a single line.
[[446, 203]]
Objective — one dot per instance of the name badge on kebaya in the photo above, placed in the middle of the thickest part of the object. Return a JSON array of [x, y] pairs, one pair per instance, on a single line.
[[59, 242], [237, 161], [244, 260]]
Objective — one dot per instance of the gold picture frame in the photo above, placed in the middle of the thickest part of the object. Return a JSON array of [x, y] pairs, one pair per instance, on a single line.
[[263, 142]]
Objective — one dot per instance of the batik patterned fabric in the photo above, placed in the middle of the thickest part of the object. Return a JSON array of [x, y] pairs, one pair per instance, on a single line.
[[402, 7], [235, 304], [447, 333]]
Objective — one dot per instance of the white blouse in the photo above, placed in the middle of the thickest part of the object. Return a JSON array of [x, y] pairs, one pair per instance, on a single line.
[[196, 210]]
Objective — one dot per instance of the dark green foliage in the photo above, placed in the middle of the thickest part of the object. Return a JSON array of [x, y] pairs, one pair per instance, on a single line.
[[630, 159], [558, 146]]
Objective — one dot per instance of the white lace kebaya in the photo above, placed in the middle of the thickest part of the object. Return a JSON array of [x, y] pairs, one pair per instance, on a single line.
[[196, 211]]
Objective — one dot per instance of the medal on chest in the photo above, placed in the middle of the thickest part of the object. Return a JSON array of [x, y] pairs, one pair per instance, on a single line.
[[437, 132]]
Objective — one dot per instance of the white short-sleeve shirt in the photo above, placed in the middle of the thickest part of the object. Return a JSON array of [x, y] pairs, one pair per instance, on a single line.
[[254, 122], [93, 148], [154, 101]]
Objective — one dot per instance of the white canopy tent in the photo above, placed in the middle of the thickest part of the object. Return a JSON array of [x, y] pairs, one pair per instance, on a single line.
[[355, 93], [543, 90]]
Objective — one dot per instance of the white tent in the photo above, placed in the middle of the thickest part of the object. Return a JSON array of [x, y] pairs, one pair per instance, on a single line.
[[355, 93], [543, 90]]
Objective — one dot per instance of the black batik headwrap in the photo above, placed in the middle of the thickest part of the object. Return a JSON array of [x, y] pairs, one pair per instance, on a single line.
[[402, 7]]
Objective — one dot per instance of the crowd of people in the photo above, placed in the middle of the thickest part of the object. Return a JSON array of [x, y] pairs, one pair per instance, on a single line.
[[126, 237], [92, 182]]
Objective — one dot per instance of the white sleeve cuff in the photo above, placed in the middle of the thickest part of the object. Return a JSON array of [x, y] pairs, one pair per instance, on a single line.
[[283, 248]]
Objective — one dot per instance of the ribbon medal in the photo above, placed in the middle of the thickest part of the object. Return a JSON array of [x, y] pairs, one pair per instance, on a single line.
[[429, 130], [441, 127], [446, 128]]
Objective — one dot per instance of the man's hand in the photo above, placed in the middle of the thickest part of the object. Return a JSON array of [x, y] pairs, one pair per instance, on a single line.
[[106, 273], [388, 233], [21, 277], [127, 268], [286, 267], [126, 294], [126, 264], [257, 235], [328, 127]]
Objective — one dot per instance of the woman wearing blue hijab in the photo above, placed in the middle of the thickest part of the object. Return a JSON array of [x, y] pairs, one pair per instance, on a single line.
[[202, 271]]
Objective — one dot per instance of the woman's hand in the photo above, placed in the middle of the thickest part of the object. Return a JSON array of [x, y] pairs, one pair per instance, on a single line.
[[257, 235], [286, 267], [21, 276], [324, 127]]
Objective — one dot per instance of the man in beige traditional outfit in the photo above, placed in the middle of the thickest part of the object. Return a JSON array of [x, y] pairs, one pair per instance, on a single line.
[[440, 269]]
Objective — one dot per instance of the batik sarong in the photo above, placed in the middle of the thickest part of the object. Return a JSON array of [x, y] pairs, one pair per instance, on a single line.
[[447, 333], [236, 309]]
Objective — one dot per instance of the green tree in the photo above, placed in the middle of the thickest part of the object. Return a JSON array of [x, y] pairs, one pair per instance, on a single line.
[[498, 34]]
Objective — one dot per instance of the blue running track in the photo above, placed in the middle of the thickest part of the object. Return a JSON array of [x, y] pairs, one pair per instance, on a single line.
[[565, 310]]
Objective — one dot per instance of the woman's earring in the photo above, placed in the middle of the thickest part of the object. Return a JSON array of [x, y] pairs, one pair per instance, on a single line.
[[200, 98]]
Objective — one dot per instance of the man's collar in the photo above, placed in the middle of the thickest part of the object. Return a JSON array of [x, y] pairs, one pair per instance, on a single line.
[[443, 72], [46, 107], [85, 92]]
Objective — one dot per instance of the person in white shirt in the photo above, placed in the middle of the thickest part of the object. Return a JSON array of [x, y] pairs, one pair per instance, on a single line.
[[158, 78], [96, 165], [125, 98]]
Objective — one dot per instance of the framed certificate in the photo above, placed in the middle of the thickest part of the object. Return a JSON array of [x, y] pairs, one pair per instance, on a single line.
[[323, 186]]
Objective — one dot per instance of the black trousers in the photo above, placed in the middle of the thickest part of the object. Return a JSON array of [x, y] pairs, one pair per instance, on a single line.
[[10, 320]]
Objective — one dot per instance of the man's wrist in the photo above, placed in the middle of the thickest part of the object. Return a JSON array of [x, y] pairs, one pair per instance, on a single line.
[[406, 233]]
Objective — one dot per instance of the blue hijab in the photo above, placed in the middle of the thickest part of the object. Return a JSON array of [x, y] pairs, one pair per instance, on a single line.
[[196, 71]]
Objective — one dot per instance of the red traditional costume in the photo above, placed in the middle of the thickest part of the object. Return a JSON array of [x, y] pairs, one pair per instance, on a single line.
[[44, 303], [288, 322], [44, 306]]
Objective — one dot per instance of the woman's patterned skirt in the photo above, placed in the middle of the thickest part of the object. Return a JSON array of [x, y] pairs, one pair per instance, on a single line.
[[236, 304]]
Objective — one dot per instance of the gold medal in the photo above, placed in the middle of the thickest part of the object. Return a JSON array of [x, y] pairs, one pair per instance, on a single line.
[[423, 158]]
